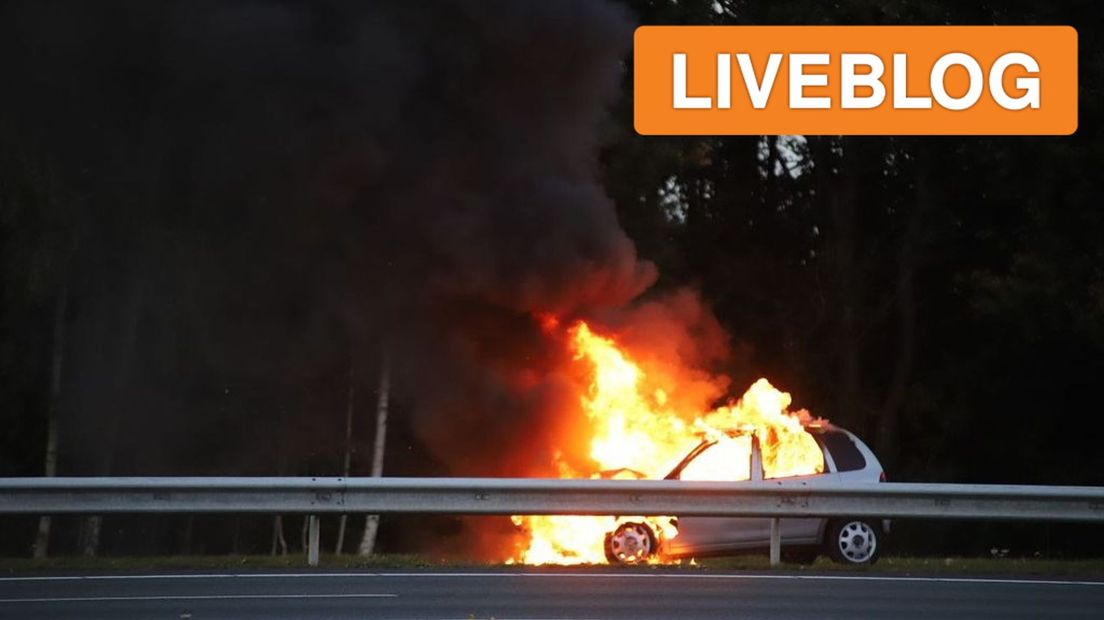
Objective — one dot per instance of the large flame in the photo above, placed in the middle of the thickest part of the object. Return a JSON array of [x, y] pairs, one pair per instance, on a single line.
[[637, 428]]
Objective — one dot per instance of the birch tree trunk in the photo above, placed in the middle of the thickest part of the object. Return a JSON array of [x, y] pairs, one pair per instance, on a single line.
[[279, 541], [371, 526], [42, 538], [345, 468]]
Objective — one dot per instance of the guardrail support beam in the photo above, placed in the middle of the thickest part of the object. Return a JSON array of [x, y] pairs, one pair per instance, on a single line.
[[775, 541], [313, 526], [789, 499]]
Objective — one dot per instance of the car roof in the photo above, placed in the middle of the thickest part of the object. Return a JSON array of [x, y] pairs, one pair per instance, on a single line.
[[819, 428]]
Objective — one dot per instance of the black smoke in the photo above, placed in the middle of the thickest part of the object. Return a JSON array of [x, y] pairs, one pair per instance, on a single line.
[[257, 200]]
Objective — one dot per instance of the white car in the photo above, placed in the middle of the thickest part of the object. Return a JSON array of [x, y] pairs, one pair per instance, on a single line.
[[850, 540]]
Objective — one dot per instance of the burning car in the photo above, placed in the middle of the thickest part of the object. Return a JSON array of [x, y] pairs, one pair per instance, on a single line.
[[638, 415], [738, 456]]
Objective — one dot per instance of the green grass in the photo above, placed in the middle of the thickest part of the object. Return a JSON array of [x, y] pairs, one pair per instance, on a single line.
[[222, 562], [888, 565]]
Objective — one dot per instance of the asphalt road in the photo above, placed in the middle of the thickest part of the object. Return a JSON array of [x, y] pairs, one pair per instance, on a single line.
[[542, 594]]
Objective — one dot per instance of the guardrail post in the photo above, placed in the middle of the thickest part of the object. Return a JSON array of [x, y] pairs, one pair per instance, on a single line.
[[313, 525], [775, 542]]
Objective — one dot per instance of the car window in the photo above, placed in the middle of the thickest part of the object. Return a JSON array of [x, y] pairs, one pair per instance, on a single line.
[[797, 454], [727, 460], [844, 453]]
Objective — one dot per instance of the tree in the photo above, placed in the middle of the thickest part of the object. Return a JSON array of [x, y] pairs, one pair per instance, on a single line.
[[347, 459], [38, 233], [49, 467], [371, 525]]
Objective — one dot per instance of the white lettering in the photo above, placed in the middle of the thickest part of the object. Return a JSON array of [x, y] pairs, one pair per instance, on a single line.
[[851, 80], [900, 87], [939, 90], [682, 102], [759, 92], [1030, 85], [799, 80], [724, 81]]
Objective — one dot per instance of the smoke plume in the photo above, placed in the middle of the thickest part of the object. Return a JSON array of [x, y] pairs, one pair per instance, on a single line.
[[259, 195]]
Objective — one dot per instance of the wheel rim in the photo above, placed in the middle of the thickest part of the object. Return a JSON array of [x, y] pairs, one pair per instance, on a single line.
[[631, 543], [857, 542]]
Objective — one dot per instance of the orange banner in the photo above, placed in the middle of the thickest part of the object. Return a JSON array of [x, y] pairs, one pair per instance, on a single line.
[[951, 80]]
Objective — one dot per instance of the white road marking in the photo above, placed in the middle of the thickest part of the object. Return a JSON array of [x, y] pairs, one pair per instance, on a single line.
[[764, 576], [767, 576], [185, 597]]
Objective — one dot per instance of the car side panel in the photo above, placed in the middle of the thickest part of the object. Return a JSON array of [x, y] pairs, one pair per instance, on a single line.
[[805, 531], [717, 534], [711, 533]]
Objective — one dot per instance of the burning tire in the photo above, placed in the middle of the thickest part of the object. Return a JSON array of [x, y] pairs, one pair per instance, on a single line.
[[631, 543], [852, 541]]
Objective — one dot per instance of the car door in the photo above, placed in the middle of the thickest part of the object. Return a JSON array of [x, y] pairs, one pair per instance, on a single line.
[[734, 459], [731, 533], [806, 530]]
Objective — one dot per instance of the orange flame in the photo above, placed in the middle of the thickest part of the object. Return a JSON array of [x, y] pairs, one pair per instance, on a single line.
[[638, 429]]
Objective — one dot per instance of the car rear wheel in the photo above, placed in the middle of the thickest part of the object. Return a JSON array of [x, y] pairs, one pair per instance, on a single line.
[[631, 543], [852, 541]]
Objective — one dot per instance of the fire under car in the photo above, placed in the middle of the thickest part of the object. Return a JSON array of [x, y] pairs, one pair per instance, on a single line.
[[849, 540]]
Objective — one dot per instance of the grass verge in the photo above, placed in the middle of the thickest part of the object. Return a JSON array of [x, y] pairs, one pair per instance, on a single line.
[[979, 566], [1025, 567]]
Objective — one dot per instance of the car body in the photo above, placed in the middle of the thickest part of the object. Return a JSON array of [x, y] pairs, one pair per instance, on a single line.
[[846, 460]]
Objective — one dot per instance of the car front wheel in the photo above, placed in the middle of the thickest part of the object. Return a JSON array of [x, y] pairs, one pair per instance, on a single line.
[[853, 541], [630, 543]]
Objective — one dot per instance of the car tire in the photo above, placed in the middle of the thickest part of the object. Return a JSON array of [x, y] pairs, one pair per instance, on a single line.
[[631, 543], [853, 541]]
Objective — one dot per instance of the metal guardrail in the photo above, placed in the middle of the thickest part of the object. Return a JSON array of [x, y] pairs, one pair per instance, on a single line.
[[508, 496], [519, 496]]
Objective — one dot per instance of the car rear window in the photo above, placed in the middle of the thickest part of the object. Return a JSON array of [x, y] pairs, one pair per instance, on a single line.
[[843, 451]]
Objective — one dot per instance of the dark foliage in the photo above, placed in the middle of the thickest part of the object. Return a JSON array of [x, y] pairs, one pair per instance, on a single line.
[[242, 200]]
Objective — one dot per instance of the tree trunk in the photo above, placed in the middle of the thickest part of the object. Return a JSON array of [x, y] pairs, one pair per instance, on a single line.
[[189, 533], [890, 413], [235, 545], [889, 417], [371, 526], [837, 188], [279, 542], [350, 401], [42, 538], [124, 377], [90, 536]]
